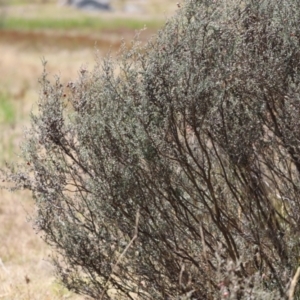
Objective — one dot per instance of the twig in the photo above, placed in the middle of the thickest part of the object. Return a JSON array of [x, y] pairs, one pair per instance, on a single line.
[[180, 274], [293, 284], [124, 251], [3, 267], [203, 242]]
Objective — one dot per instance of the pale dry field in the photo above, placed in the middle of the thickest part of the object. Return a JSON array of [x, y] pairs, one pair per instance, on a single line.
[[25, 273], [25, 270]]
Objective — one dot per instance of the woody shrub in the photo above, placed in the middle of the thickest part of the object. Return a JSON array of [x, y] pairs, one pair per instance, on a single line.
[[172, 172]]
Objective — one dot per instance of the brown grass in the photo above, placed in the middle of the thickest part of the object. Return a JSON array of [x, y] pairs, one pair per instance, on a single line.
[[25, 272]]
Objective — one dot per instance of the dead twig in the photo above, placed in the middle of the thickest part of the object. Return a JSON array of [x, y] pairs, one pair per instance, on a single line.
[[293, 284], [124, 251]]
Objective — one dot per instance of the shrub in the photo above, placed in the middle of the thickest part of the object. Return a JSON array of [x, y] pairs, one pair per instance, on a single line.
[[173, 172]]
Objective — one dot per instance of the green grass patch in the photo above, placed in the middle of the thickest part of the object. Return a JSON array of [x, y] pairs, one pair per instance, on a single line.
[[7, 136], [78, 23], [7, 110]]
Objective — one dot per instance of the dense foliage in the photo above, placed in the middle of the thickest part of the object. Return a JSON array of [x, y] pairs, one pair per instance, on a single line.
[[173, 172]]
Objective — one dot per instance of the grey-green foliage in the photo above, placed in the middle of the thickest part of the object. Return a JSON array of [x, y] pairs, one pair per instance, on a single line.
[[173, 171]]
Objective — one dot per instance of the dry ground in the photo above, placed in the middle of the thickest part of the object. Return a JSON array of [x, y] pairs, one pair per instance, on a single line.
[[25, 273]]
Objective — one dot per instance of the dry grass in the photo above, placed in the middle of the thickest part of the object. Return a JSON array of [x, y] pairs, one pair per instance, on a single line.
[[25, 272]]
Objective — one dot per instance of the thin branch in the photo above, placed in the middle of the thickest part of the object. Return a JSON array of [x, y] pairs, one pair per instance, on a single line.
[[293, 284], [137, 217]]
